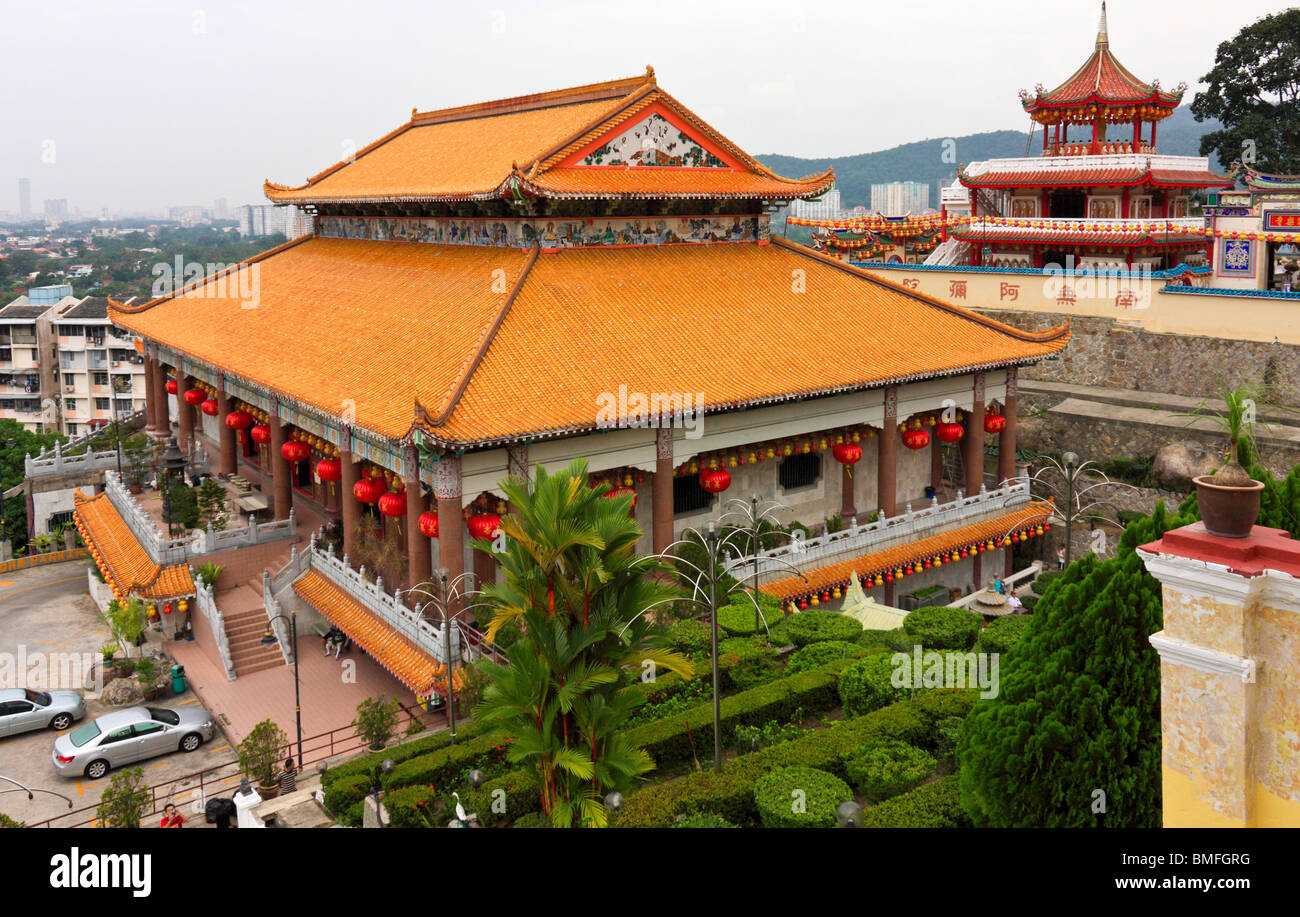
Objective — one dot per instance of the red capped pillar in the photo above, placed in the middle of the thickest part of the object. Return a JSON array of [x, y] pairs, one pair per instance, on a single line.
[[150, 396], [887, 460], [184, 412], [1007, 438], [974, 440], [418, 548], [280, 469], [451, 523], [229, 436], [349, 505]]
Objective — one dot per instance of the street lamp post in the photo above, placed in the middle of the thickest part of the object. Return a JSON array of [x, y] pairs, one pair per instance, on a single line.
[[712, 541], [269, 639]]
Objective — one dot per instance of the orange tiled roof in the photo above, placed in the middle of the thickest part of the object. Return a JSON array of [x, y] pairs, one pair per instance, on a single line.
[[498, 149], [391, 331], [1102, 79], [409, 664], [1085, 175], [838, 574], [123, 560]]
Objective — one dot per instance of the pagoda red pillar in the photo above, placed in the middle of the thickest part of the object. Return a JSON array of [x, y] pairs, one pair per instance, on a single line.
[[847, 508], [418, 549], [451, 527], [974, 440], [280, 469], [184, 412], [1124, 203], [349, 505], [936, 464], [1044, 139], [1153, 135], [887, 457], [661, 491], [1137, 133], [1007, 438], [228, 435], [150, 396]]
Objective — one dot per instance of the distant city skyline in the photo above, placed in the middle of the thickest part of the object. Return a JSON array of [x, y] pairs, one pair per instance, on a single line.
[[180, 117]]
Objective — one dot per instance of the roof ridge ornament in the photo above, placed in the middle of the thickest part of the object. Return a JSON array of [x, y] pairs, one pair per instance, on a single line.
[[1103, 40], [649, 74]]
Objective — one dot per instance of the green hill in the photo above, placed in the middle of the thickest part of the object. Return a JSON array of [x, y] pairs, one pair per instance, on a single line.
[[1178, 135]]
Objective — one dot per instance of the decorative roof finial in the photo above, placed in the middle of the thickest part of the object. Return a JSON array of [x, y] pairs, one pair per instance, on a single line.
[[1103, 40], [649, 73]]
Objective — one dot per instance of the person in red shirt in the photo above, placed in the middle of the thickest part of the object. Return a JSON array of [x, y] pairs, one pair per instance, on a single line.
[[172, 818]]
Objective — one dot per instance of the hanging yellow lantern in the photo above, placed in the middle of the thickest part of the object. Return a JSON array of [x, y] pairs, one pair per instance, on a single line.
[[880, 580], [731, 461], [695, 466], [835, 594], [771, 453], [814, 600]]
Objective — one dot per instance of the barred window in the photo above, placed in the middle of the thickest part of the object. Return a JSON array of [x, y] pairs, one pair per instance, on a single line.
[[800, 470], [689, 496]]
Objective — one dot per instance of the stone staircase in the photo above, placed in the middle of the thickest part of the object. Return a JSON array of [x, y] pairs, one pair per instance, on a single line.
[[245, 618]]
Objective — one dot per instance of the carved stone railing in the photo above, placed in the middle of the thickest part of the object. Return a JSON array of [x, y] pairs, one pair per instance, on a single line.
[[167, 551], [207, 605], [410, 623], [886, 532], [279, 625], [58, 461]]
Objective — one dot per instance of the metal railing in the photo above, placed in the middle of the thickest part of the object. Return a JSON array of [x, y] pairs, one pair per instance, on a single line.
[[886, 532]]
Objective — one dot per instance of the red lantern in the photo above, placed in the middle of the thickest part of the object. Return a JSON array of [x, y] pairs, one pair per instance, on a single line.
[[716, 480], [916, 439], [483, 525], [260, 433], [167, 608], [239, 420], [847, 453], [428, 523], [949, 432], [195, 396], [803, 604], [368, 490], [209, 407], [392, 504], [295, 451], [172, 386], [329, 470], [994, 423], [623, 492]]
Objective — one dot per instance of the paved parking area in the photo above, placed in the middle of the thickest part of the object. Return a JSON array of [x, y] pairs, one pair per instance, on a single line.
[[46, 610]]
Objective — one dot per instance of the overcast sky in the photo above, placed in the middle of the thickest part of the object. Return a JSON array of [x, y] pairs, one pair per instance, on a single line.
[[141, 105]]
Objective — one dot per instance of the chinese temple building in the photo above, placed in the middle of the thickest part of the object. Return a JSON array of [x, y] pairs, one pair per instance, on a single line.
[[1099, 194], [874, 237], [589, 273], [1255, 234]]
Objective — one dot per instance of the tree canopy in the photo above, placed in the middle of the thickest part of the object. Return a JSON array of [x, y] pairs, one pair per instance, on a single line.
[[1254, 89]]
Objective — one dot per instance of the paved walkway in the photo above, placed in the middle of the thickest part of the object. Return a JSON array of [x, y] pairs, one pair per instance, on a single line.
[[331, 690]]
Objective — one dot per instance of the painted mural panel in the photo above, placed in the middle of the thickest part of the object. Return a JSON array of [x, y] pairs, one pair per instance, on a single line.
[[653, 141], [561, 233]]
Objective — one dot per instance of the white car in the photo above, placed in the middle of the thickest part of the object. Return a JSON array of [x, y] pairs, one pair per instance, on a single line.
[[22, 710], [125, 736]]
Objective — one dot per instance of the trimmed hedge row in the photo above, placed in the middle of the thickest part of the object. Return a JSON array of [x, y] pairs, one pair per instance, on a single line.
[[932, 805], [817, 625], [730, 794], [943, 628], [799, 797], [366, 764]]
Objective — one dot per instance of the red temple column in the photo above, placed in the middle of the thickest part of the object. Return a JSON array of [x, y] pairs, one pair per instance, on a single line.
[[280, 469], [977, 568], [418, 549], [661, 491], [974, 440], [184, 412], [1007, 438], [150, 396], [1044, 139], [1153, 135], [936, 464], [1124, 203], [887, 456], [162, 417], [349, 505], [451, 525], [229, 456], [847, 508], [1137, 133]]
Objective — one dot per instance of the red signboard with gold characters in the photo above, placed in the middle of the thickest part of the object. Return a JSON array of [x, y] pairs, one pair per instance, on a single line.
[[1282, 219]]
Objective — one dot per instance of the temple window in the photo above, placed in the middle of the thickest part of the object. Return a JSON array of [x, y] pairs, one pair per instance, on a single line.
[[689, 496], [800, 471]]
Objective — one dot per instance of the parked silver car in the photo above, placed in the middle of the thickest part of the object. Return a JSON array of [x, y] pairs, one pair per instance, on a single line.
[[22, 710], [129, 735]]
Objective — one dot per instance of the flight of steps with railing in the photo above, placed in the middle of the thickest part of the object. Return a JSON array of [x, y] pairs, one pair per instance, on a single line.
[[951, 251]]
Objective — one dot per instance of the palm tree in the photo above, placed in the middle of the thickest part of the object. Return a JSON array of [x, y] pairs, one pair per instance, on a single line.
[[572, 580]]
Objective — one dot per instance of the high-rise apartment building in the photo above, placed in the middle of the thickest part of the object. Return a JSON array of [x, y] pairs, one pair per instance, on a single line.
[[25, 198], [895, 199]]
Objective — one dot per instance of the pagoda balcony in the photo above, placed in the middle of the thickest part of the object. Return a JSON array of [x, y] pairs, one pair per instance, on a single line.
[[1134, 226], [1067, 163], [1084, 148]]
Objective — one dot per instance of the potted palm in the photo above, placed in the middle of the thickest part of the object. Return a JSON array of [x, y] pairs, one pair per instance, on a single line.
[[1229, 498]]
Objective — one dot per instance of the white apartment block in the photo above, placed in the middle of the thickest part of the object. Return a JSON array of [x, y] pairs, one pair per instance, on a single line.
[[63, 366], [898, 198], [825, 208], [257, 220]]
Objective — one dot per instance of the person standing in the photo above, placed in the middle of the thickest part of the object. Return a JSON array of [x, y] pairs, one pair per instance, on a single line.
[[1060, 558]]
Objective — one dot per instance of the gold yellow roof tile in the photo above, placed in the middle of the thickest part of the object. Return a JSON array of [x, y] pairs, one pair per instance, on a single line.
[[125, 563]]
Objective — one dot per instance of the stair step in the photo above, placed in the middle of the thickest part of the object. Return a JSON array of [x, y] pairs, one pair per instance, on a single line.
[[248, 668]]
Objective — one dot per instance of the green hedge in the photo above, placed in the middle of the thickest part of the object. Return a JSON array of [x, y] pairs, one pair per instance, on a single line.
[[730, 794], [738, 619], [815, 654], [932, 805], [943, 628], [505, 798], [879, 770], [867, 685], [897, 639], [690, 638], [1004, 633], [410, 806], [704, 820], [447, 767], [366, 764], [799, 797], [818, 625]]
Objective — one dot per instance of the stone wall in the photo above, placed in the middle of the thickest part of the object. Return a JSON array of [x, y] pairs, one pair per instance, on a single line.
[[1108, 353]]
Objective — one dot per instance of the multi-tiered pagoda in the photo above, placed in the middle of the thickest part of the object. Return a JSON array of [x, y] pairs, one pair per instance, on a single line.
[[1099, 194]]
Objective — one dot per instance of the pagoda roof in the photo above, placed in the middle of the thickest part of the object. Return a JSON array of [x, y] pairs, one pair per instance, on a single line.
[[1102, 81], [1266, 181], [1111, 170], [126, 565], [406, 335], [619, 139]]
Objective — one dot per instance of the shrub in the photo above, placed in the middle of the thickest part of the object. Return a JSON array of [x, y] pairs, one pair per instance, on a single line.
[[1045, 579], [125, 801], [943, 628], [867, 685], [1004, 633], [365, 765], [412, 807], [704, 820], [756, 665], [884, 769], [897, 640], [376, 720], [505, 798], [690, 638], [448, 766], [815, 654], [346, 792], [532, 820], [779, 634], [7, 822], [933, 805], [799, 797], [738, 619], [261, 750], [817, 626], [1029, 601], [945, 737]]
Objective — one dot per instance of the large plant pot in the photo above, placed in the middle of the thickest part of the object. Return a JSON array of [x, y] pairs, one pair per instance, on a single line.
[[1228, 512], [268, 792]]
